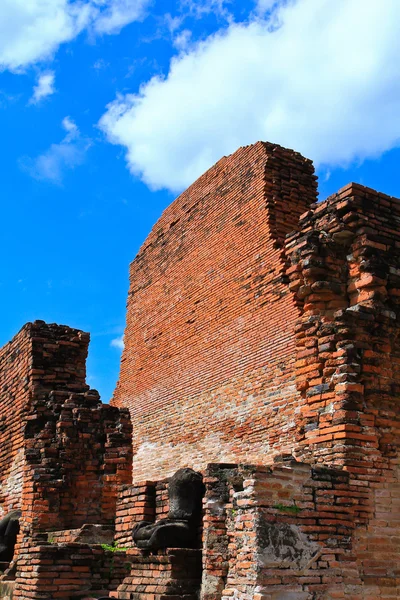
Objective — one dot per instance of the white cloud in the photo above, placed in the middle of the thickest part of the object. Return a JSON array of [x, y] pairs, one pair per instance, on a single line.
[[44, 87], [32, 30], [118, 13], [118, 342], [326, 82], [54, 162], [70, 127], [182, 39]]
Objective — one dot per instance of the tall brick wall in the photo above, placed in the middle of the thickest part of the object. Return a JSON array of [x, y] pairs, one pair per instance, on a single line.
[[208, 365]]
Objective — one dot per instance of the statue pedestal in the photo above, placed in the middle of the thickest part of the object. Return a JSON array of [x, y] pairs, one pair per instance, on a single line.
[[173, 574]]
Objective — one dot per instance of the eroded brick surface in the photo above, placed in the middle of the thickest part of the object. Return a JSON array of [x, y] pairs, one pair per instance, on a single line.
[[66, 571]]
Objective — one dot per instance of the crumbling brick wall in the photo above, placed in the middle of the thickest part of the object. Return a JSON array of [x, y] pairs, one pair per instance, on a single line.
[[63, 453], [208, 365], [78, 452], [68, 571], [345, 272], [281, 532], [47, 356]]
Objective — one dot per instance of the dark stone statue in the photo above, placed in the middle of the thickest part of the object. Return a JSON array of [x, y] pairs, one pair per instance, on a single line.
[[9, 529], [180, 528]]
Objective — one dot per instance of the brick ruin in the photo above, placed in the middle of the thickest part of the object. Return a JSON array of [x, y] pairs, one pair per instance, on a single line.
[[261, 349]]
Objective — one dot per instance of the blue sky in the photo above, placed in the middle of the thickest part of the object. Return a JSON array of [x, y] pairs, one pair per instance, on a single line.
[[110, 108]]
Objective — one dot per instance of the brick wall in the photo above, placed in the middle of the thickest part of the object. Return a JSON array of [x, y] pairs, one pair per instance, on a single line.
[[78, 452], [67, 571], [208, 364], [14, 386], [294, 532], [63, 453], [135, 503], [39, 356], [345, 272], [242, 343], [172, 574]]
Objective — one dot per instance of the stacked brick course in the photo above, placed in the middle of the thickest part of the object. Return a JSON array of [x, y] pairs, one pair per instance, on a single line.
[[345, 273], [68, 571], [135, 503], [173, 574], [75, 462], [74, 450], [14, 366], [40, 358]]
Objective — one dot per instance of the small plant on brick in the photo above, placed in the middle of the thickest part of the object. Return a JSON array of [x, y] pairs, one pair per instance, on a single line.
[[291, 510], [113, 548]]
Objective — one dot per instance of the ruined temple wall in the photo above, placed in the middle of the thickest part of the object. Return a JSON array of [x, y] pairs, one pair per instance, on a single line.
[[63, 453], [208, 365], [15, 366], [345, 272], [78, 450], [76, 462], [39, 356], [291, 531]]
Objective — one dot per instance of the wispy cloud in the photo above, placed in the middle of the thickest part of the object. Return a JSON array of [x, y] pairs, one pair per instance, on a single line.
[[54, 162], [198, 8], [33, 30], [113, 15], [44, 87], [118, 343], [101, 64], [182, 39], [287, 78]]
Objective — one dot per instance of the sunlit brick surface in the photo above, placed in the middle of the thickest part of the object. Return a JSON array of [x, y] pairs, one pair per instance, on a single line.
[[208, 366]]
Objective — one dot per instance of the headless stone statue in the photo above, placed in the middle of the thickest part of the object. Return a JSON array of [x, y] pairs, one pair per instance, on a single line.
[[180, 528], [9, 529]]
